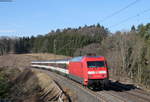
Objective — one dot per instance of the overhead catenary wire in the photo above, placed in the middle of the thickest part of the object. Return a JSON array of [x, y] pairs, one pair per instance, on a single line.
[[119, 11], [129, 18]]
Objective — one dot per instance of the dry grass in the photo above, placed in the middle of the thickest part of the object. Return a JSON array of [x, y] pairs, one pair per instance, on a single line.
[[23, 60], [27, 82], [46, 56]]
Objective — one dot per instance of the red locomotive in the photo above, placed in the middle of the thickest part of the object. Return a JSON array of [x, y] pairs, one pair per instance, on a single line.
[[87, 70]]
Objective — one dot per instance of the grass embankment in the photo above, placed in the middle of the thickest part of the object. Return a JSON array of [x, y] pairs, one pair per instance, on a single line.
[[28, 86], [19, 83]]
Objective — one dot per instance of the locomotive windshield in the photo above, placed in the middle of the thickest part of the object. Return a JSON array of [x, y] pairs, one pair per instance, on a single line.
[[92, 64]]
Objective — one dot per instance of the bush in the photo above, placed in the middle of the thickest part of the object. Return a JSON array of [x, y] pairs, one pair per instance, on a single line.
[[4, 86]]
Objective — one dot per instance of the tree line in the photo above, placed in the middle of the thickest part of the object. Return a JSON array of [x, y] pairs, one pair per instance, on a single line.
[[63, 42], [128, 54]]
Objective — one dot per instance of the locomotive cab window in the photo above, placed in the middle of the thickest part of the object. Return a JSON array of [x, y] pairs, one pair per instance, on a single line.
[[92, 64]]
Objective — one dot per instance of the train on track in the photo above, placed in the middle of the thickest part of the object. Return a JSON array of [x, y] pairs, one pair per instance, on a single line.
[[90, 71]]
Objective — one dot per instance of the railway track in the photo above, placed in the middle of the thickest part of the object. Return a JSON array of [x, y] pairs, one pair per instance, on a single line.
[[112, 96], [137, 95], [103, 95], [131, 94], [141, 92], [59, 78]]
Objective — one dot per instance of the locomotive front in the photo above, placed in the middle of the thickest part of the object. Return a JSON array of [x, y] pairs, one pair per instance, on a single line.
[[97, 71]]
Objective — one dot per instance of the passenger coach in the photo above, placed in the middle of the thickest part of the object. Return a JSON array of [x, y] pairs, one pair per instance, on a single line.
[[87, 70]]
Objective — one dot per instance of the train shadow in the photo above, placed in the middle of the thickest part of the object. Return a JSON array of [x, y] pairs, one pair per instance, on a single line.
[[117, 86]]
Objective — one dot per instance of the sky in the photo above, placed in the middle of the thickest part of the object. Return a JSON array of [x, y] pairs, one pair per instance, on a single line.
[[34, 17]]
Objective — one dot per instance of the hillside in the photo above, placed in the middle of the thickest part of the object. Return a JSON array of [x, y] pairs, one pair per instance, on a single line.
[[128, 53], [20, 83]]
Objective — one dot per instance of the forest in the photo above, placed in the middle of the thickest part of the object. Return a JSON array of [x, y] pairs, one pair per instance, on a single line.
[[128, 53]]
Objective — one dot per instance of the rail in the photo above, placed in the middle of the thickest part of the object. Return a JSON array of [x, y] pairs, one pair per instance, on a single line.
[[101, 96]]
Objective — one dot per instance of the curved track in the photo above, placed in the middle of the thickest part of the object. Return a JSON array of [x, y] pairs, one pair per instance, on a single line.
[[114, 94], [134, 95]]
